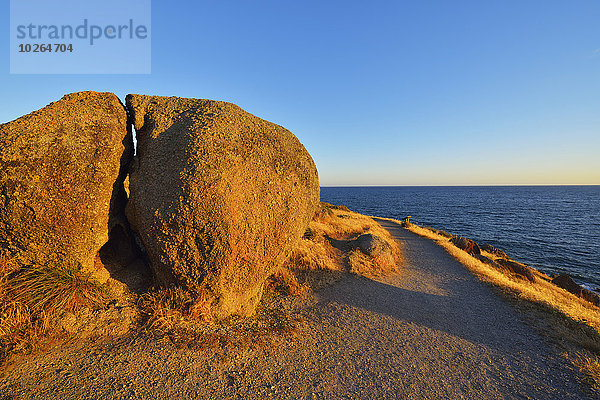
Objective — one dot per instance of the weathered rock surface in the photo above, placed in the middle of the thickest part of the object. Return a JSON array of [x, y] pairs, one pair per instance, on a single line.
[[489, 261], [566, 282], [518, 269], [218, 196], [492, 250], [467, 245], [371, 245], [59, 179]]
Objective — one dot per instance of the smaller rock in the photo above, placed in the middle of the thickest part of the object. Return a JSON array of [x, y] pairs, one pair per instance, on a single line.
[[566, 282], [489, 261], [492, 250], [467, 245], [521, 270], [371, 245], [591, 296]]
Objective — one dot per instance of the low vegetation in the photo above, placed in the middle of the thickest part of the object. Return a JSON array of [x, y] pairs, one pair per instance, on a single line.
[[571, 321], [165, 308], [328, 248], [34, 299], [589, 365]]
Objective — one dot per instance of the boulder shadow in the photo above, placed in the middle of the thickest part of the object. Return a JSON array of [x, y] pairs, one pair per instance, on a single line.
[[456, 316]]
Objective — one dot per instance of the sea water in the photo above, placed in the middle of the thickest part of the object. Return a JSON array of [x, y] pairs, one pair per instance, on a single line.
[[555, 229]]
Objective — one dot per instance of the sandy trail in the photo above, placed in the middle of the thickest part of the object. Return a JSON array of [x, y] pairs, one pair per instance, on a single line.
[[432, 332]]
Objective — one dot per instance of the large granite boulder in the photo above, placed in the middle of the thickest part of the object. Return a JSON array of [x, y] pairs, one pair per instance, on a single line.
[[60, 181], [218, 197]]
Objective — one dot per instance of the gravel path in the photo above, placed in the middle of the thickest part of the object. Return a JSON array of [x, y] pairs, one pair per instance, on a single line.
[[432, 332]]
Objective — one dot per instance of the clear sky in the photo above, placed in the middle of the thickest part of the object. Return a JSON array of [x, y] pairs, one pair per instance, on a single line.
[[381, 92]]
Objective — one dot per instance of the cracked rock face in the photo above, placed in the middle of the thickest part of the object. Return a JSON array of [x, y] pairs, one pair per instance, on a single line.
[[218, 196], [59, 173]]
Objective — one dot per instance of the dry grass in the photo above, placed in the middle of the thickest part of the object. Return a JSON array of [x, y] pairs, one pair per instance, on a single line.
[[286, 283], [572, 322], [185, 319], [589, 365], [326, 253], [167, 308], [54, 290], [339, 223], [34, 298]]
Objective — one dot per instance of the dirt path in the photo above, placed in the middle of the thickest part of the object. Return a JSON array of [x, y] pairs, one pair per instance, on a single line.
[[432, 332]]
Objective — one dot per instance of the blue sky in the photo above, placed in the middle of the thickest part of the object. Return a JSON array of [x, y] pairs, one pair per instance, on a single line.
[[383, 92]]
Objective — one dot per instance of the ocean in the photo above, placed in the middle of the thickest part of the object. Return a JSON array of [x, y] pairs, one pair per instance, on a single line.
[[555, 229]]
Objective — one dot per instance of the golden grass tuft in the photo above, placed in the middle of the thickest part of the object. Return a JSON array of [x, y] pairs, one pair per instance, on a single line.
[[35, 297], [54, 290], [316, 254], [166, 308], [286, 283], [589, 365], [374, 266]]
